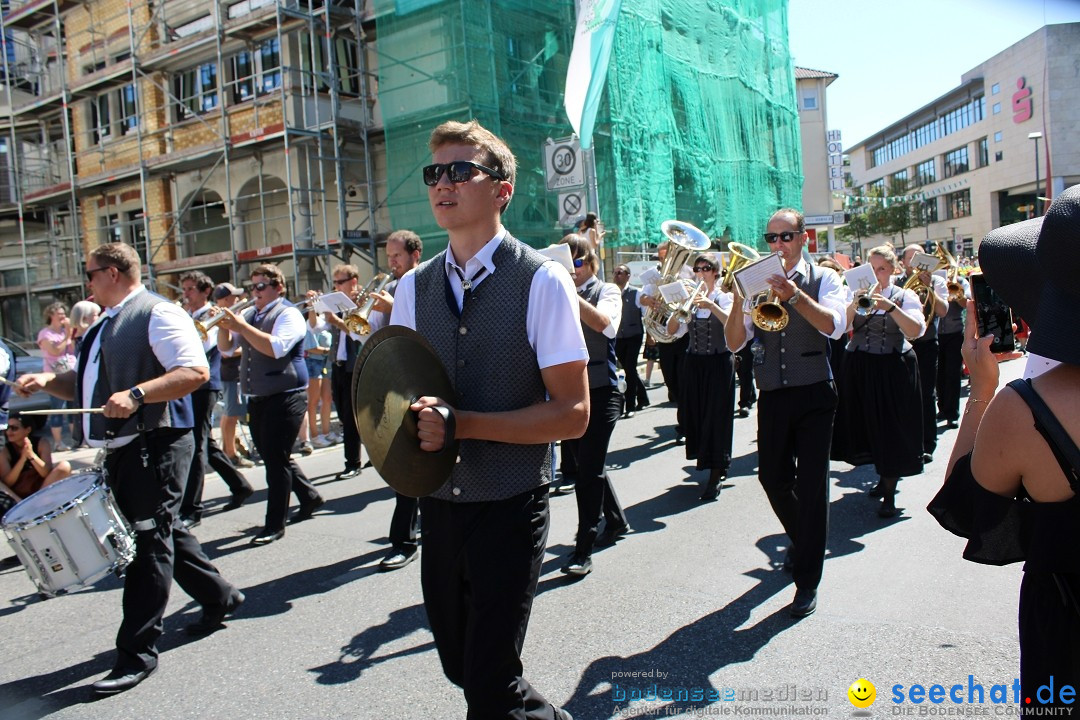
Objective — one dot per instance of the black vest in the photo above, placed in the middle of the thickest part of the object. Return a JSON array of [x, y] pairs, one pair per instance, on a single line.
[[631, 324], [798, 355], [263, 375], [878, 334]]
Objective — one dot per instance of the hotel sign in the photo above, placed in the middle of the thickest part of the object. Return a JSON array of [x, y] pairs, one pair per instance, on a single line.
[[835, 151]]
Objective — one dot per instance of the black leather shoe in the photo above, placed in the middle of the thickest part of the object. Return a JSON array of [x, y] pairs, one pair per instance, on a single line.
[[190, 522], [712, 490], [951, 424], [564, 489], [238, 499], [629, 414], [397, 560], [213, 618], [680, 439], [805, 603], [887, 509], [744, 412], [348, 473], [306, 511], [876, 491], [120, 680], [927, 457], [611, 535], [266, 537], [578, 566]]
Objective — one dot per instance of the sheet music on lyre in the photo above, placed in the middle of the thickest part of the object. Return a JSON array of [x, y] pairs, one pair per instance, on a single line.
[[860, 278], [753, 279]]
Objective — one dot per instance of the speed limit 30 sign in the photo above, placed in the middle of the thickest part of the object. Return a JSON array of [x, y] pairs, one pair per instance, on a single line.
[[563, 166]]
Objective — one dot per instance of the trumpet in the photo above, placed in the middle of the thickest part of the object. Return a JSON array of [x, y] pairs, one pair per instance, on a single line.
[[864, 305], [306, 304], [204, 327], [768, 314], [357, 320]]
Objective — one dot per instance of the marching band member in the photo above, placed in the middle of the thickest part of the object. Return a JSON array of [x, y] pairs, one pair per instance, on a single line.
[[504, 321], [344, 347], [950, 361], [600, 307], [140, 362], [197, 288], [797, 399], [628, 341], [881, 398], [274, 377], [708, 380], [403, 251], [926, 348]]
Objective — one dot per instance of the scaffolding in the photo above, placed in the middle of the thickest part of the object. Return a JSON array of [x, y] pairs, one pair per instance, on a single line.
[[209, 135]]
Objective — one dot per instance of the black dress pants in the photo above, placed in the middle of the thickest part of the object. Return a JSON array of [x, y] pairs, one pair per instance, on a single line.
[[949, 374], [341, 388], [794, 436], [744, 370], [275, 424], [595, 495], [479, 571], [405, 524], [149, 498], [627, 351], [207, 451], [672, 358], [927, 355]]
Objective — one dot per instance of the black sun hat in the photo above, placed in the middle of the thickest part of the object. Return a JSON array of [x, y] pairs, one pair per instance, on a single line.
[[1032, 265]]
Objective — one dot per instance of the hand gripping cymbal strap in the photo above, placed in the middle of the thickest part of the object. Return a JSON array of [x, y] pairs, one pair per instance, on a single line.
[[451, 426]]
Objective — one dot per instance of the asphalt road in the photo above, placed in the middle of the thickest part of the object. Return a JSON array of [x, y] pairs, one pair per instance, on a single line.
[[694, 600]]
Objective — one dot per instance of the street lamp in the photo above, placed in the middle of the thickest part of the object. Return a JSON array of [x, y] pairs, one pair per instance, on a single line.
[[1036, 136]]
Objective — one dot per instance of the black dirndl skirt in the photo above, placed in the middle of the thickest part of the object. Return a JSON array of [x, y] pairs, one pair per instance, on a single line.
[[879, 419], [707, 409]]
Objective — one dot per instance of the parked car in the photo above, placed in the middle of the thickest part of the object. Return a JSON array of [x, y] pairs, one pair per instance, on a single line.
[[26, 362]]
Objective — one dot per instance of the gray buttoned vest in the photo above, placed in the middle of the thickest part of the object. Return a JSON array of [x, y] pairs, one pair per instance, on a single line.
[[125, 360], [953, 322], [493, 367], [878, 334], [798, 354], [706, 336], [262, 375]]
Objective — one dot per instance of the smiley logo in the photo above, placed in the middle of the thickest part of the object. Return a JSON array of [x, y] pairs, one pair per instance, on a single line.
[[862, 693]]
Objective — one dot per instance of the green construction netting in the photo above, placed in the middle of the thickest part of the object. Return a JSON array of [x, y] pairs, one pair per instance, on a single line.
[[698, 123]]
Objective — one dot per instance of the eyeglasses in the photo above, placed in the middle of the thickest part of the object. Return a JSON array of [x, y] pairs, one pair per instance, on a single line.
[[14, 427], [622, 272], [341, 282], [704, 268], [786, 236], [459, 171], [578, 262], [263, 285], [90, 272]]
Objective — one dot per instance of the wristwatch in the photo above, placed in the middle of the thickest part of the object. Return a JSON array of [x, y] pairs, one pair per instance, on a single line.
[[137, 394], [795, 298]]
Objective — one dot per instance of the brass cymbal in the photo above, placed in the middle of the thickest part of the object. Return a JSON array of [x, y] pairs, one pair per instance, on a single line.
[[395, 367]]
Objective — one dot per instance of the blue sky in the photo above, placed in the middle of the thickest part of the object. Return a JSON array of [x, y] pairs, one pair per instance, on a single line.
[[894, 56]]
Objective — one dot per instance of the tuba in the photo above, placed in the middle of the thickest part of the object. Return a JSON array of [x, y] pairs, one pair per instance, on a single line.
[[683, 241], [357, 320]]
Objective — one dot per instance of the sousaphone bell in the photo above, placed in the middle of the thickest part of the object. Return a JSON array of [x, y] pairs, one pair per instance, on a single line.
[[395, 368]]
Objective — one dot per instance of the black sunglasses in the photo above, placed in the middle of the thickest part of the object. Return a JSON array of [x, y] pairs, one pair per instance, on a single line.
[[263, 285], [90, 272], [14, 427], [704, 268], [786, 236], [459, 171]]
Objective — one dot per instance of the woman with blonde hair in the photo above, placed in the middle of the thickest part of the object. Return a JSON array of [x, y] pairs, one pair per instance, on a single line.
[[880, 400]]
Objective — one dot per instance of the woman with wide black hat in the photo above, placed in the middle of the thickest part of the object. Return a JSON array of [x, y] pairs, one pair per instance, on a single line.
[[1012, 505]]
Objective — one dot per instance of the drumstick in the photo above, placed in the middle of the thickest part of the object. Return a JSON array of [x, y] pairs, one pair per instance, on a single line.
[[62, 411]]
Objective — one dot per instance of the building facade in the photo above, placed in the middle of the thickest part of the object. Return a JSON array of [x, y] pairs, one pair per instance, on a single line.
[[822, 158], [983, 154]]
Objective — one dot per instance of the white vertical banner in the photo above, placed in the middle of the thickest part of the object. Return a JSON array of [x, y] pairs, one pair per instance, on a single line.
[[587, 72]]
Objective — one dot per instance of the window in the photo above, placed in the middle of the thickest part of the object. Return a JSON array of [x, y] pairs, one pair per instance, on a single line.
[[876, 188], [196, 90], [956, 161], [997, 108], [999, 156], [928, 209], [346, 64], [995, 89], [925, 172], [952, 121], [997, 136], [110, 229], [958, 204], [100, 119], [984, 152], [129, 109], [261, 70], [809, 101]]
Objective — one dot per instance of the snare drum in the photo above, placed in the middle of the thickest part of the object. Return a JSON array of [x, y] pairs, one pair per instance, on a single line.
[[69, 534]]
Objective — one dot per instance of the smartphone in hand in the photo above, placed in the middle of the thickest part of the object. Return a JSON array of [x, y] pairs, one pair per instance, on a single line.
[[993, 316]]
